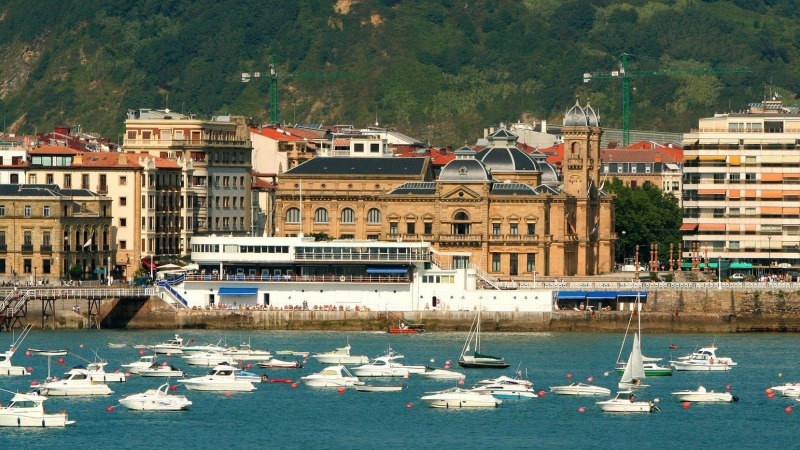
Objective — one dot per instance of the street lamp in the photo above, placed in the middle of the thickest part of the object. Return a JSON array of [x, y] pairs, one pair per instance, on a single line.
[[769, 252]]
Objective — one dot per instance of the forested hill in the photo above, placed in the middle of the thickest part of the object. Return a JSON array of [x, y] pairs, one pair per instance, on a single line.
[[438, 70]]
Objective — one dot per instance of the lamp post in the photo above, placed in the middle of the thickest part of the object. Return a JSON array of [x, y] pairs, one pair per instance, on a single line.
[[769, 253], [34, 275]]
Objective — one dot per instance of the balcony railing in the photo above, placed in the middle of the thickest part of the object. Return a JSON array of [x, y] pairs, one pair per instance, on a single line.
[[102, 189], [27, 247], [186, 143], [305, 278], [3, 248], [46, 248], [460, 238]]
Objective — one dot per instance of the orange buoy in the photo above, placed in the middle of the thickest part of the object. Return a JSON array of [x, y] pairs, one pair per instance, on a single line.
[[61, 360], [686, 405], [30, 369], [34, 383], [770, 395], [768, 391], [294, 385], [248, 366]]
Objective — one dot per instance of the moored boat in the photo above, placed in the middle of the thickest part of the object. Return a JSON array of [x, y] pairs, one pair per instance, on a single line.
[[274, 363], [625, 401], [382, 366], [505, 391], [704, 360], [220, 378], [27, 410], [41, 352], [703, 395], [580, 389], [340, 356], [77, 383], [460, 398], [374, 388], [156, 400], [432, 373], [208, 359], [160, 370], [98, 373], [293, 353], [143, 363], [331, 376], [5, 357], [174, 346], [478, 360]]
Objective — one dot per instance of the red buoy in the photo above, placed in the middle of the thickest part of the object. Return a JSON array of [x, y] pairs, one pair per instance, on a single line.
[[788, 409], [340, 390], [590, 379], [165, 364], [30, 369], [28, 353], [169, 354], [294, 385], [110, 409], [173, 388], [34, 383], [405, 377], [460, 382], [409, 405], [728, 387], [569, 375], [249, 366], [541, 393], [61, 360], [141, 352], [447, 366], [305, 361], [768, 391], [447, 362], [770, 395], [581, 409], [228, 394], [127, 374], [686, 405]]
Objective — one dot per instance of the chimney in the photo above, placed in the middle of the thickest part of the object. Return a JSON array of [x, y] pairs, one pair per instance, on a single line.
[[544, 126], [77, 160], [485, 132], [658, 158], [122, 159]]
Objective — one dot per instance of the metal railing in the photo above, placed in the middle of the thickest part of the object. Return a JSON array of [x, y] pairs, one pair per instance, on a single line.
[[78, 293], [648, 286], [406, 257], [484, 275], [305, 278], [167, 288]]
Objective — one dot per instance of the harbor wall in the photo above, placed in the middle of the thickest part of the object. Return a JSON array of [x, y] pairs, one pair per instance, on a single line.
[[666, 311]]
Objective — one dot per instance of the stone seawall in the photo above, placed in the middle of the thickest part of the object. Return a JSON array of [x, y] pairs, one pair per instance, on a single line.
[[666, 311]]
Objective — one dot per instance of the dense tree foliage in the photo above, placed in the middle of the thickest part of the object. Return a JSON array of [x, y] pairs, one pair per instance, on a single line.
[[647, 215], [439, 70]]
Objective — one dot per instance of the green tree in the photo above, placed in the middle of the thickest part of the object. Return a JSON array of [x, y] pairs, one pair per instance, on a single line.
[[75, 272], [647, 215]]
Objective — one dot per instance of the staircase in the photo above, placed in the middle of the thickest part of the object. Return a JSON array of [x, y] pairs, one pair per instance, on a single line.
[[484, 275], [14, 307], [177, 299]]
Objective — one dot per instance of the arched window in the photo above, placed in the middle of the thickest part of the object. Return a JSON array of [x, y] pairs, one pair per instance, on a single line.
[[374, 216], [293, 215], [348, 216], [574, 149], [321, 215], [461, 223]]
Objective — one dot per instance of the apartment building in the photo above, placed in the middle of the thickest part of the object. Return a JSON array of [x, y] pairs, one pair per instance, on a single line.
[[45, 230], [741, 191], [145, 192], [215, 156]]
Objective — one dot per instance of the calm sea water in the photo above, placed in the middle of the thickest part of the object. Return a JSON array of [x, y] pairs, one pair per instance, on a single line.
[[278, 416]]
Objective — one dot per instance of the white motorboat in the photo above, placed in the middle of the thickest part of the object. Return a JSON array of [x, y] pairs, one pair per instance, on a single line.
[[787, 390], [143, 363], [441, 374], [506, 380], [580, 389], [156, 400], [40, 352], [382, 366], [160, 370], [704, 360], [460, 398], [5, 357], [274, 363], [174, 346], [626, 402], [340, 356], [293, 353], [97, 373], [77, 382], [702, 395], [331, 376], [220, 378], [27, 410], [113, 345], [190, 349], [506, 391], [250, 376], [373, 388], [246, 353], [208, 359]]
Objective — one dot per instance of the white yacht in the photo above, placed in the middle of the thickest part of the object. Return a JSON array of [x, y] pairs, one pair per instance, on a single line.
[[441, 374], [702, 395], [626, 402], [340, 356], [460, 398], [506, 391], [156, 400], [220, 378], [77, 382], [174, 346], [27, 410], [580, 389], [208, 359], [506, 380], [787, 390], [274, 363], [161, 370], [98, 373], [382, 366], [246, 353], [704, 360], [331, 376], [5, 357], [143, 363], [192, 348]]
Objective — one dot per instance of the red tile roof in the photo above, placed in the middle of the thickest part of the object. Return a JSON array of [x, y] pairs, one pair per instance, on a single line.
[[274, 134], [54, 150]]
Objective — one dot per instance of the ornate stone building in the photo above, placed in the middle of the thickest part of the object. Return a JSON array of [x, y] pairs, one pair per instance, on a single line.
[[500, 211]]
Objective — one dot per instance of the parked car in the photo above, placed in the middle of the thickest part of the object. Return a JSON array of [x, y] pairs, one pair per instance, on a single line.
[[737, 277]]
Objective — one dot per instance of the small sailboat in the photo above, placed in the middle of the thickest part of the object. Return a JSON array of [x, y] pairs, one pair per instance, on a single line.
[[478, 360], [634, 371]]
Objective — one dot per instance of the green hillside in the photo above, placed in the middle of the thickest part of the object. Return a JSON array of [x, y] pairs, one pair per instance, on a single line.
[[438, 70]]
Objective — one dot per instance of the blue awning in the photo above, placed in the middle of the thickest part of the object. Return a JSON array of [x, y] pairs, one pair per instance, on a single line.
[[387, 270], [631, 296], [238, 291], [572, 295], [602, 296]]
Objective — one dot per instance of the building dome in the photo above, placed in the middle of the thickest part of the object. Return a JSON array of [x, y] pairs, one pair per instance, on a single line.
[[549, 173], [576, 117], [591, 117], [507, 159], [465, 168]]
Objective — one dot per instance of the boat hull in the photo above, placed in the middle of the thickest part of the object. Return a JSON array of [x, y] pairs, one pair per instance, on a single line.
[[39, 352], [162, 403], [240, 386], [478, 364], [441, 374], [279, 364], [379, 388], [582, 391], [328, 382], [108, 377], [626, 407], [660, 372], [161, 373], [459, 402], [403, 331], [33, 420], [76, 391], [13, 371], [387, 372], [690, 396], [689, 367], [341, 359]]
